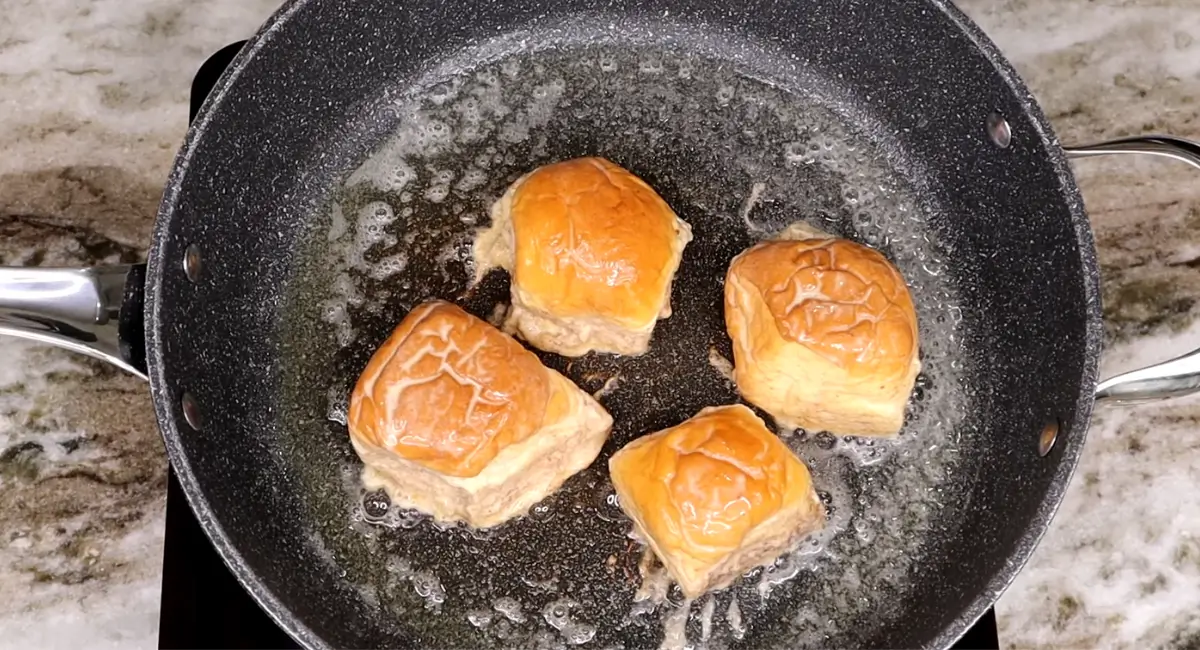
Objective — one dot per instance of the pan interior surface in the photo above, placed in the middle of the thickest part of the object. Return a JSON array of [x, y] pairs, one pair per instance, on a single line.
[[336, 180], [738, 158]]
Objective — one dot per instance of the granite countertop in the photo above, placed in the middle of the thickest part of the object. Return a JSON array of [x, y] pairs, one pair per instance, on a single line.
[[95, 104]]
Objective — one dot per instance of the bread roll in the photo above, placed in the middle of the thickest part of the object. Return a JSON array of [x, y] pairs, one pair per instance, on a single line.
[[454, 418], [715, 496], [592, 250], [824, 334]]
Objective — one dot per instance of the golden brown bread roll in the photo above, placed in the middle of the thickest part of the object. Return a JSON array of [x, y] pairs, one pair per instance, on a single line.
[[715, 496], [454, 418], [824, 333], [592, 250]]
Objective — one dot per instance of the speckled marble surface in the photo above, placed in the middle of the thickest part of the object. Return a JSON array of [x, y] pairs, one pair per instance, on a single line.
[[94, 97]]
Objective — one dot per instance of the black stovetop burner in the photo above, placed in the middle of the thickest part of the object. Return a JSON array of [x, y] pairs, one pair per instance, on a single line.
[[203, 606]]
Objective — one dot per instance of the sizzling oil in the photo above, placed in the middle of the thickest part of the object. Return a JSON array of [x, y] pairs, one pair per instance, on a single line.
[[737, 158]]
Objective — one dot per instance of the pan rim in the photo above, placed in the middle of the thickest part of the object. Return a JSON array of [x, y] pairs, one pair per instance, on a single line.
[[161, 394], [1072, 446], [166, 408]]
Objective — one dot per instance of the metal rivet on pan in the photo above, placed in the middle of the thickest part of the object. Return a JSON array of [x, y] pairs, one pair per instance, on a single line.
[[191, 263], [1047, 437], [998, 131], [191, 411]]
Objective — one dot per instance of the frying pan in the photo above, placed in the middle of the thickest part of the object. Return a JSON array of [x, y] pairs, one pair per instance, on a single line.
[[334, 178]]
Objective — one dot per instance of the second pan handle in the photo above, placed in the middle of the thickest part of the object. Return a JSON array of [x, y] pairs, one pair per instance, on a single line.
[[1178, 376]]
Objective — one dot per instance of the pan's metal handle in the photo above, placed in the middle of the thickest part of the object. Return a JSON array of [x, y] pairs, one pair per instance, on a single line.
[[1181, 375], [95, 311], [1152, 145]]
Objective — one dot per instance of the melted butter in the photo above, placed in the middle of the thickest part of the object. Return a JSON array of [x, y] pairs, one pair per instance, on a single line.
[[675, 628]]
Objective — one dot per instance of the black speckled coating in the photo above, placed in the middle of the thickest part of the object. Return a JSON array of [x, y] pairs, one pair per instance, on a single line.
[[309, 98]]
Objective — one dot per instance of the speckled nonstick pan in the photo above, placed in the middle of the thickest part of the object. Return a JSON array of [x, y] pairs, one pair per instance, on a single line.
[[335, 176]]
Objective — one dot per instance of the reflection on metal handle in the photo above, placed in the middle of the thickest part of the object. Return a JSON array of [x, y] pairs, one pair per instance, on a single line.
[[1181, 375], [1152, 145], [77, 309]]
